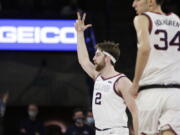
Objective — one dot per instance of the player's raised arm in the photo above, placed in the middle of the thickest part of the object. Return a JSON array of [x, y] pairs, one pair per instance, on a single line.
[[83, 56]]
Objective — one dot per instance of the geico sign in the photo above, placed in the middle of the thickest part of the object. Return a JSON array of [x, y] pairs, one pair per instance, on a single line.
[[11, 34]]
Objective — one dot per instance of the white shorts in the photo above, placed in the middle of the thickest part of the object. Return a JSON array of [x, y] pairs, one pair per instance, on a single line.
[[114, 131], [158, 109]]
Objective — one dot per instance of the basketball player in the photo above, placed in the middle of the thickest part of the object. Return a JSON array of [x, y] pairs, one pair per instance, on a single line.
[[110, 90], [157, 69]]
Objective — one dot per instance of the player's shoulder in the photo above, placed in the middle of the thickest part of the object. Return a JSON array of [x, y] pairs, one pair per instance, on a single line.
[[174, 15], [122, 83], [122, 78], [141, 18]]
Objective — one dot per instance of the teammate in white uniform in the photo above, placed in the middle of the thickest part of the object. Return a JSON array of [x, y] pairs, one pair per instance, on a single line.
[[110, 89], [157, 69]]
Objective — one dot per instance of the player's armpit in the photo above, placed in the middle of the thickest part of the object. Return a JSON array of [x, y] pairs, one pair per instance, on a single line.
[[89, 68]]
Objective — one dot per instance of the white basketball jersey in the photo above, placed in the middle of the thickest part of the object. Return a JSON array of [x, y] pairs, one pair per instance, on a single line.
[[163, 66], [109, 109]]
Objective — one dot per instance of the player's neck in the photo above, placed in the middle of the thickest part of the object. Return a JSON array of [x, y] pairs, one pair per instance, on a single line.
[[108, 71], [157, 9]]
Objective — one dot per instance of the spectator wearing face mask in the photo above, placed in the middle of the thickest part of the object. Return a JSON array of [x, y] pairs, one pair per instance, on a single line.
[[32, 126], [79, 127], [89, 118]]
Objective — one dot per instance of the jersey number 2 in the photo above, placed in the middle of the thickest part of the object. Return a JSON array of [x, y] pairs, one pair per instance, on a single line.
[[98, 98], [174, 42]]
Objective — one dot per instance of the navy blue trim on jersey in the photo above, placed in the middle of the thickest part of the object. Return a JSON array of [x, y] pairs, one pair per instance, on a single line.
[[150, 22], [98, 129], [114, 87], [161, 13], [152, 86], [109, 77]]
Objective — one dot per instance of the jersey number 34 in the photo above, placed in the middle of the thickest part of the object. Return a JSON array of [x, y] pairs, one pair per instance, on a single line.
[[175, 41]]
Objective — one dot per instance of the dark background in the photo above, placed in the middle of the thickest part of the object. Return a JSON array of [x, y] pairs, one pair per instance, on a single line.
[[55, 80]]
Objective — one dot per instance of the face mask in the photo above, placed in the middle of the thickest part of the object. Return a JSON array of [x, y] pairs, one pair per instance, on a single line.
[[79, 120], [90, 120], [32, 113]]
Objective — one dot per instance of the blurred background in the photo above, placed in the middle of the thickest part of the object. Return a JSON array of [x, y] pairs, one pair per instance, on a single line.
[[54, 80]]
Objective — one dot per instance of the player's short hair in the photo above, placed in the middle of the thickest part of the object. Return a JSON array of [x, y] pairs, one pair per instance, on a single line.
[[110, 47], [159, 2]]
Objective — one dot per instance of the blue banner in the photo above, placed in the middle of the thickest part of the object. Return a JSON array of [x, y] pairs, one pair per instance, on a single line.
[[37, 35]]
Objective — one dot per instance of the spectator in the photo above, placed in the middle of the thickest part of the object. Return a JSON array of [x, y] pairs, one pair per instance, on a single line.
[[79, 127], [32, 126], [89, 118]]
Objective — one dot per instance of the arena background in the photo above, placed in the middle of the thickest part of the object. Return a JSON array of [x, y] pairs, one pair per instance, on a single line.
[[55, 80]]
